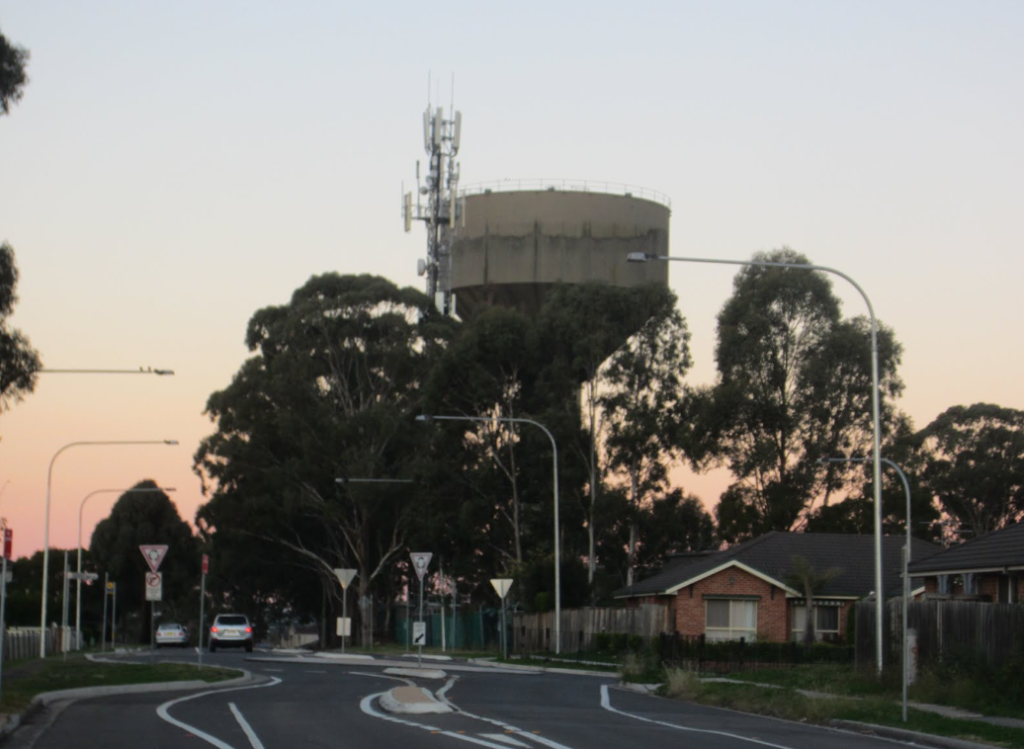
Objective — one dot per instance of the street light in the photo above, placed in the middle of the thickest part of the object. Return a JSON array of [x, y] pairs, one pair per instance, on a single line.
[[46, 526], [554, 451], [78, 581], [643, 257], [906, 564], [140, 370]]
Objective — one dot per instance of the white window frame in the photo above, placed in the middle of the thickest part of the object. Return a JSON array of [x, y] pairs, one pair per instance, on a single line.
[[736, 628]]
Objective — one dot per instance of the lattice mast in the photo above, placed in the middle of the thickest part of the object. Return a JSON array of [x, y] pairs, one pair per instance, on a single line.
[[436, 203]]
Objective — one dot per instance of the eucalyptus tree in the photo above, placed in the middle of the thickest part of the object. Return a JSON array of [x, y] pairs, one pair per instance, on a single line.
[[13, 59], [328, 393], [975, 466], [794, 385], [643, 400], [582, 326], [19, 362]]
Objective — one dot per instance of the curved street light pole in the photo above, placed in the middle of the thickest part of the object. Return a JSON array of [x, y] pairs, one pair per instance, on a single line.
[[554, 452], [78, 580], [642, 257], [46, 525]]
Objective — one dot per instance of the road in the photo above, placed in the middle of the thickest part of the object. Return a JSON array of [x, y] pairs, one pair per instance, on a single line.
[[317, 702]]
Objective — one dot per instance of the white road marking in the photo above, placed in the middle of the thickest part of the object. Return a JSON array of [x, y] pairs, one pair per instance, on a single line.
[[502, 738], [246, 728], [162, 711], [607, 705]]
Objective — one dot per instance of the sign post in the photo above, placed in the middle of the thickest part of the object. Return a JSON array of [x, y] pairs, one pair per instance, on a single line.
[[344, 576], [153, 554], [202, 607], [501, 586], [8, 538], [420, 561], [113, 616], [103, 629]]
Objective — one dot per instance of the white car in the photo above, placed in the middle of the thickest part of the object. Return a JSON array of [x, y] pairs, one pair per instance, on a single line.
[[171, 634], [231, 631]]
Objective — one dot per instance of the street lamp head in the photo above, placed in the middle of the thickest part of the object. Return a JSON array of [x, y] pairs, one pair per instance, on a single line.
[[162, 372], [425, 418], [639, 257], [170, 442]]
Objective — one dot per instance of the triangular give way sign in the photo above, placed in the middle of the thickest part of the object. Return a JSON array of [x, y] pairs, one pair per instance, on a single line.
[[154, 554]]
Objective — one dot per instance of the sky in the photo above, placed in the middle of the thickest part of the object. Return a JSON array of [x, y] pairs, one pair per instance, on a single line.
[[174, 167]]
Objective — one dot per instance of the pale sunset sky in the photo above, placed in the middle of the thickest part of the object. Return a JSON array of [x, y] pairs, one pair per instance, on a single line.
[[173, 167]]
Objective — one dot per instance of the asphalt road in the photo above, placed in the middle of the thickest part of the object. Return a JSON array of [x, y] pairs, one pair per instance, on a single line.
[[316, 702]]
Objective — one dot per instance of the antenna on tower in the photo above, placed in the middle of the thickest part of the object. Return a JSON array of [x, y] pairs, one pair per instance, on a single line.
[[441, 139]]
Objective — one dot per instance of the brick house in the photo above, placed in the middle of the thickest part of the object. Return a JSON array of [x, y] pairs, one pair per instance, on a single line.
[[989, 568], [743, 592]]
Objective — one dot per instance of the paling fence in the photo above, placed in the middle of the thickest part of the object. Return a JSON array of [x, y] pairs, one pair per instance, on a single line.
[[973, 631], [534, 633]]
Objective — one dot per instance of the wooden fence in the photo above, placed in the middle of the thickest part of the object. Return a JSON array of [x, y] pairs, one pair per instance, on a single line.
[[534, 633], [967, 630]]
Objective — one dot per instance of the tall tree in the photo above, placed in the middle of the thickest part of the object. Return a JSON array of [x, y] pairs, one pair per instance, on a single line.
[[19, 362], [582, 326], [13, 60], [794, 385], [328, 394], [139, 518], [975, 465], [644, 398]]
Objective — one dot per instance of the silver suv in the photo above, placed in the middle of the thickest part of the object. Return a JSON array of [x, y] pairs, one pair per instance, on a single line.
[[231, 631]]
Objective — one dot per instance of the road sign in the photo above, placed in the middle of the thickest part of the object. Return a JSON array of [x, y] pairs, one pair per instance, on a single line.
[[85, 576], [111, 587], [206, 564], [344, 626], [344, 576], [154, 554], [154, 586], [501, 586], [420, 560], [419, 633], [8, 538]]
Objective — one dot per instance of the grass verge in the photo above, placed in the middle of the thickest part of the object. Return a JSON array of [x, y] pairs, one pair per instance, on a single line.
[[23, 680], [787, 703]]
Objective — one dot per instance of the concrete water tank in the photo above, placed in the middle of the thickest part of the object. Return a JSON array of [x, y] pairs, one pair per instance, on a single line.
[[511, 245]]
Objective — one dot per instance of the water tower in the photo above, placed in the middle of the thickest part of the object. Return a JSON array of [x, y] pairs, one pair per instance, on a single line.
[[507, 243]]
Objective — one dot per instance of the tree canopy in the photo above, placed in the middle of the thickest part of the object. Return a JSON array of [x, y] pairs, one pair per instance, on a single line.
[[975, 466], [794, 386], [19, 362], [328, 394], [13, 60]]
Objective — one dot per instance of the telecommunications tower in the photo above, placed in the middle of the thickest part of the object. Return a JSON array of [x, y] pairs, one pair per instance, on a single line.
[[436, 203]]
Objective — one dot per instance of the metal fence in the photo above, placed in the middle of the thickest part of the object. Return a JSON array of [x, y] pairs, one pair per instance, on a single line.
[[697, 653]]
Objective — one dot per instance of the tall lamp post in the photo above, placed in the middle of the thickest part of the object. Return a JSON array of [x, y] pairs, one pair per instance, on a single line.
[[78, 580], [554, 451], [642, 257], [906, 564], [46, 526]]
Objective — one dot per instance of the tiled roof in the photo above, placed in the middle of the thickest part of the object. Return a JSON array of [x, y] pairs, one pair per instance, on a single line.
[[772, 556], [1002, 548]]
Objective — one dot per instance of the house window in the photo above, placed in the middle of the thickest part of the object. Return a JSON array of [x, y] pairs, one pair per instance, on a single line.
[[731, 620], [826, 622]]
